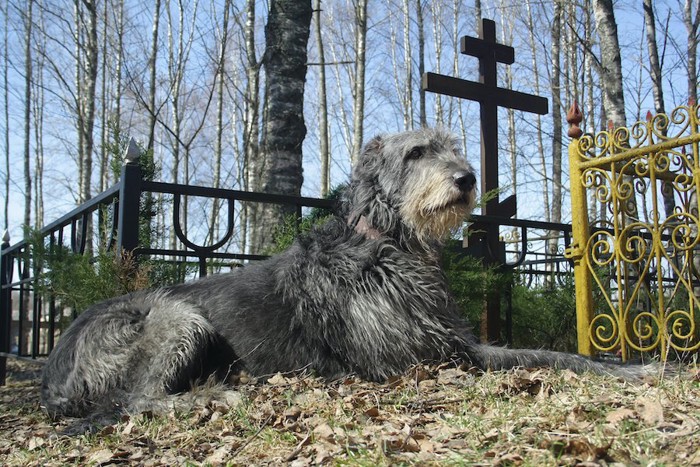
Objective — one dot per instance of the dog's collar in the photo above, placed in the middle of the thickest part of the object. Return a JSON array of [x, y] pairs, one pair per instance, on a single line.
[[364, 228]]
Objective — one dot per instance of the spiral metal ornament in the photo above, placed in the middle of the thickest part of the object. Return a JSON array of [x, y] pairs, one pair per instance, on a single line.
[[604, 332], [682, 330], [644, 327], [600, 181], [639, 134], [659, 126]]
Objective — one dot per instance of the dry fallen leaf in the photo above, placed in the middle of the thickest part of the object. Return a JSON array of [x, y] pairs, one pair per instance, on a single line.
[[649, 411], [100, 457], [618, 415]]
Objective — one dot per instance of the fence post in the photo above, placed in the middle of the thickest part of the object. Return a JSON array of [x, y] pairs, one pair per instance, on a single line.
[[5, 306], [580, 234], [129, 200]]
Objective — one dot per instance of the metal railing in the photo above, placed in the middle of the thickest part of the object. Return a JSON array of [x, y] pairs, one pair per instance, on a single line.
[[30, 330]]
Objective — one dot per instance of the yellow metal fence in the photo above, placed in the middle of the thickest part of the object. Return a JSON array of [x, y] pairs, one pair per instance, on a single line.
[[635, 235]]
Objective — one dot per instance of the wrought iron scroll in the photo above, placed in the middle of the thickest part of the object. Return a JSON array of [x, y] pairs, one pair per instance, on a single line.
[[638, 266]]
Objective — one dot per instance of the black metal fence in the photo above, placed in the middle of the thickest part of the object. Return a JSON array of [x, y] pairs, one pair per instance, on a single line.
[[29, 321]]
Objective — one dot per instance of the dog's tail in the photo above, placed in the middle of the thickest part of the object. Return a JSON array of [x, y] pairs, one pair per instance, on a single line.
[[490, 357]]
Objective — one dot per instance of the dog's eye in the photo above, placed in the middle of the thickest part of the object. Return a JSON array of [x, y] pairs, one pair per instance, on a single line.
[[415, 153]]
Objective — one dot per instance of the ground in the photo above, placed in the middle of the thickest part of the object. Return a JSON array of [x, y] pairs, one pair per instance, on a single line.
[[435, 415]]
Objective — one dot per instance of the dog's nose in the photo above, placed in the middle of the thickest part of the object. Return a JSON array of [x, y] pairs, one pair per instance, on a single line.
[[464, 180]]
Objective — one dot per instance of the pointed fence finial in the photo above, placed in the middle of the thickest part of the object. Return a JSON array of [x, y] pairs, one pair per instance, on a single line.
[[132, 154], [574, 118]]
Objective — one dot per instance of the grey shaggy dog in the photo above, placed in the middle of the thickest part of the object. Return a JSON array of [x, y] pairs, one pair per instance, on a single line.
[[361, 294]]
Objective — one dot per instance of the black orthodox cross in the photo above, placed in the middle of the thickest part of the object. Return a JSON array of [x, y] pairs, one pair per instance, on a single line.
[[490, 97]]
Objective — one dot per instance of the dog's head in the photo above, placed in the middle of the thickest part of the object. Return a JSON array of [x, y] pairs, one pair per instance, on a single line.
[[416, 180]]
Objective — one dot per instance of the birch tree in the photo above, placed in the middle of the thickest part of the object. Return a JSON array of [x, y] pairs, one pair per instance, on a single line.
[[28, 72], [218, 144], [691, 20], [543, 171], [359, 84], [253, 164], [657, 91], [408, 63], [286, 38], [611, 63], [324, 139], [152, 68], [557, 147], [6, 112], [422, 117], [87, 67]]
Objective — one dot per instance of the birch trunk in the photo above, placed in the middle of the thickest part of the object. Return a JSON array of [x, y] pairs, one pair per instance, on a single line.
[[611, 63], [6, 97], [323, 110], [88, 86], [359, 94], [218, 150], [29, 20], [556, 123], [152, 68], [538, 121], [252, 163], [421, 62], [286, 37], [658, 91], [691, 21], [408, 63]]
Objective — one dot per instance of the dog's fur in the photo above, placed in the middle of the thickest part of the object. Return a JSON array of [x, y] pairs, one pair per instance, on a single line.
[[363, 293]]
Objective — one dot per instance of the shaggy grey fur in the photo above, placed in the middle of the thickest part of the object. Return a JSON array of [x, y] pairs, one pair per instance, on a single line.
[[363, 293]]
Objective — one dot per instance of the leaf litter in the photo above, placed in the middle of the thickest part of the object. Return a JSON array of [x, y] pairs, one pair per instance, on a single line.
[[433, 415]]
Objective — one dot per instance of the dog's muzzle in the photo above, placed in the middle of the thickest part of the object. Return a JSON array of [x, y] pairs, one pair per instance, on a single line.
[[464, 180]]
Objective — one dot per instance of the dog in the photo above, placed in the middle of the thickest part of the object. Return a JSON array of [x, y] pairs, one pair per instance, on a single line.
[[362, 293]]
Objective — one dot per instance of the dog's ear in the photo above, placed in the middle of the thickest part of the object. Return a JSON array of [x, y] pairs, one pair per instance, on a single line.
[[371, 151], [365, 194]]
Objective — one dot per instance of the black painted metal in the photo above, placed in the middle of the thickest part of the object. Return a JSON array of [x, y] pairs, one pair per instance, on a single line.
[[490, 98]]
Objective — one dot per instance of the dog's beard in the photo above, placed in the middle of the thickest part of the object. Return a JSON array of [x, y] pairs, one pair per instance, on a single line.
[[435, 208]]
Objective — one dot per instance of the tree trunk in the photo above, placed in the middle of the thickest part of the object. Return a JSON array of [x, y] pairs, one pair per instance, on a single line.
[[286, 37], [104, 119], [408, 63], [588, 89], [611, 63], [89, 85], [359, 90], [507, 39], [152, 67], [29, 20], [556, 121], [218, 149], [323, 110], [658, 92], [6, 97], [538, 123], [38, 110], [253, 164], [437, 40], [691, 21], [421, 62]]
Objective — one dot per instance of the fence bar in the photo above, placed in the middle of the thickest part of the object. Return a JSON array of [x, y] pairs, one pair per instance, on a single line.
[[5, 305]]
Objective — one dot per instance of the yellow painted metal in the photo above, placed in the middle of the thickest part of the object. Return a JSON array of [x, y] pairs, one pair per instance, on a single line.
[[637, 268], [579, 228]]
